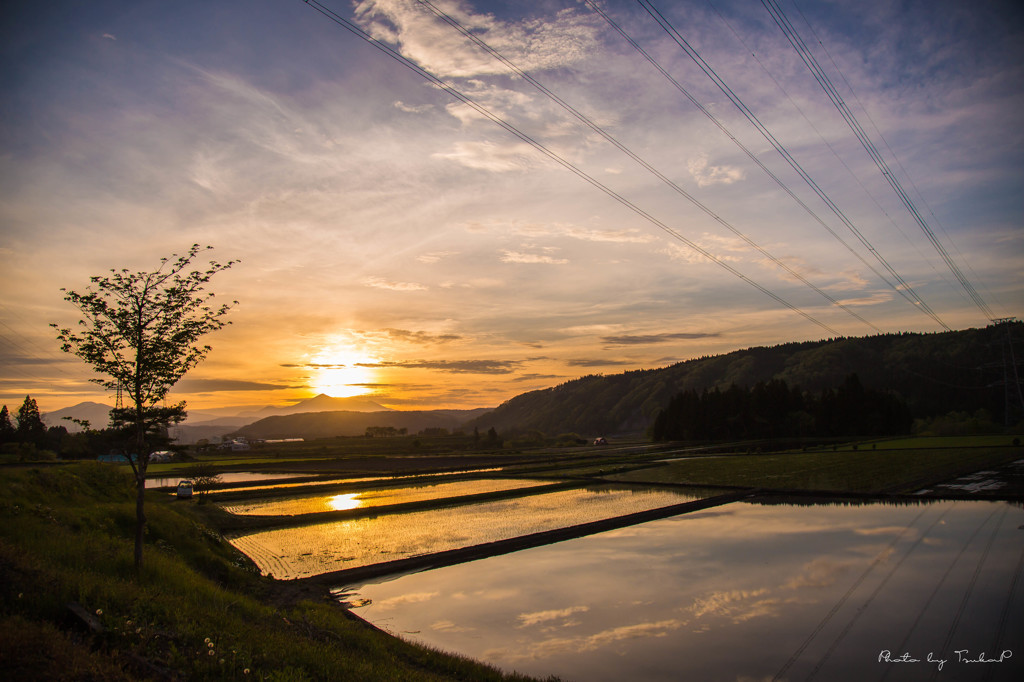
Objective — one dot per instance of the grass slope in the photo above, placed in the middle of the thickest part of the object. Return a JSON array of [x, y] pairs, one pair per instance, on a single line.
[[200, 611]]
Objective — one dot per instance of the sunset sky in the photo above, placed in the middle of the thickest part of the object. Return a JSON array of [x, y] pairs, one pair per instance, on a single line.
[[396, 241]]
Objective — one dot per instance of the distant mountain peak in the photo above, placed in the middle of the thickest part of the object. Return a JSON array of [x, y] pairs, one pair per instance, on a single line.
[[97, 414], [326, 403]]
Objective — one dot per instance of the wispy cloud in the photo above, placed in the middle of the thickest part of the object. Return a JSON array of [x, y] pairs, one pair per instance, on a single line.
[[552, 42], [705, 174], [419, 337], [488, 156], [413, 109], [383, 283], [598, 362], [451, 366], [217, 385], [531, 258], [647, 339], [435, 256]]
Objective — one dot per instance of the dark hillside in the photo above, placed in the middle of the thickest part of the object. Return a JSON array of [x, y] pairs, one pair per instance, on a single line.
[[311, 425], [933, 373]]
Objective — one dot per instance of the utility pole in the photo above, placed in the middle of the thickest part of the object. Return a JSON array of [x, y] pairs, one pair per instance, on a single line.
[[1014, 399]]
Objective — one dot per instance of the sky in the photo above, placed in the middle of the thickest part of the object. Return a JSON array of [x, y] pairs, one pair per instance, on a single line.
[[436, 227]]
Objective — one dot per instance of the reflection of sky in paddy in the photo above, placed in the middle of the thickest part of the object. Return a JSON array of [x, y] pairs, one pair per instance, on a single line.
[[740, 592], [330, 546], [306, 504]]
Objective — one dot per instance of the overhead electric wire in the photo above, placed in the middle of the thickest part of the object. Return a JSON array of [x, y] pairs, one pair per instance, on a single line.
[[582, 118], [901, 286], [782, 21], [892, 152], [824, 140], [508, 127]]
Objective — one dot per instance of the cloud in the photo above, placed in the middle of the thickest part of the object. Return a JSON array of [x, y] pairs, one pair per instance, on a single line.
[[707, 175], [532, 44], [631, 235], [109, 36], [381, 283], [680, 251], [435, 256], [422, 338], [556, 229], [451, 366], [876, 298], [647, 339], [488, 156], [312, 365], [537, 377], [216, 385], [598, 362], [410, 109], [532, 258]]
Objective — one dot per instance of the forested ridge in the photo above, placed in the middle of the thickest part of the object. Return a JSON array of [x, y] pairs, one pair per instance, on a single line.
[[932, 374], [774, 409]]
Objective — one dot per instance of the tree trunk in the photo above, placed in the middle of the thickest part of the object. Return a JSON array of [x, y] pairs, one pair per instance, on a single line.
[[140, 519], [140, 490]]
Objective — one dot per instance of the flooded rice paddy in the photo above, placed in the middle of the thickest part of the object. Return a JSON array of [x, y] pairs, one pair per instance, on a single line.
[[230, 477], [334, 482], [308, 504], [311, 550], [743, 591]]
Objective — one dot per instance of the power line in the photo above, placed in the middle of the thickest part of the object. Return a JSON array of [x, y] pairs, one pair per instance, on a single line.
[[901, 286], [787, 28], [885, 142], [823, 139], [448, 19], [508, 127]]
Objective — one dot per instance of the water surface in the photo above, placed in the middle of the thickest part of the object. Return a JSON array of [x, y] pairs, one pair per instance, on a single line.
[[229, 477], [326, 483], [310, 550], [308, 504], [738, 592]]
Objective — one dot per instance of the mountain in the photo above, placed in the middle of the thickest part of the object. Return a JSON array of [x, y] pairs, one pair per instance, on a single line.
[[206, 425], [97, 414], [325, 403], [934, 373], [311, 425]]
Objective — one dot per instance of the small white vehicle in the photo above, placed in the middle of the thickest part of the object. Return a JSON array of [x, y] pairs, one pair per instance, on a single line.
[[184, 489]]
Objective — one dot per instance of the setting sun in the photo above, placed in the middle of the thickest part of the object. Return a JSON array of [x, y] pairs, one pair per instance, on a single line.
[[341, 372]]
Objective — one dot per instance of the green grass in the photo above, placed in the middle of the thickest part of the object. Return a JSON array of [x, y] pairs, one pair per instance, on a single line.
[[901, 467], [199, 609]]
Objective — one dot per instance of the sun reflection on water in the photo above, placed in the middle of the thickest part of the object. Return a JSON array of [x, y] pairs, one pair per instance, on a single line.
[[344, 501]]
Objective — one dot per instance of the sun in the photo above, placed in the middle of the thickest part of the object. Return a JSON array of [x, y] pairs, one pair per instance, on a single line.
[[342, 372]]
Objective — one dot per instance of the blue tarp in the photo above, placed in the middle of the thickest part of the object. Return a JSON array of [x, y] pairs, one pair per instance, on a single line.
[[116, 459]]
